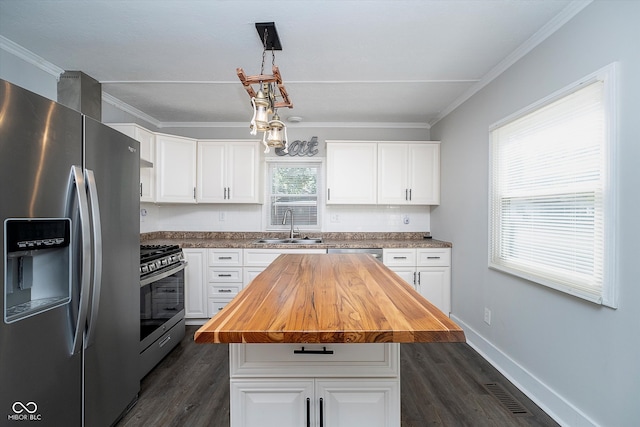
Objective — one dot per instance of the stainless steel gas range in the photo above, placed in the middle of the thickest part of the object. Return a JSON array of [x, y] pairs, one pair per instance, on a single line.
[[162, 324]]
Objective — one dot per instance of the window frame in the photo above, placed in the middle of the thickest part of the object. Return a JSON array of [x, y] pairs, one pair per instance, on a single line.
[[292, 161], [608, 294]]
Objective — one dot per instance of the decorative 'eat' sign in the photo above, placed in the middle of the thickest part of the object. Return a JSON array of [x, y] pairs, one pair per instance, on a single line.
[[301, 148]]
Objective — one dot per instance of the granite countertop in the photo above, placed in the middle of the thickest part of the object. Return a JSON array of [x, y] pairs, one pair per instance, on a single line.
[[348, 298], [244, 240]]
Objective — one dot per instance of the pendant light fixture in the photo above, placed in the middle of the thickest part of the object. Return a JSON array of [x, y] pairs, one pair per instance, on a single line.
[[267, 100]]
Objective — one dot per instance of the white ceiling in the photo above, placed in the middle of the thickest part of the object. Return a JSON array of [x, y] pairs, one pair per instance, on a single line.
[[397, 62]]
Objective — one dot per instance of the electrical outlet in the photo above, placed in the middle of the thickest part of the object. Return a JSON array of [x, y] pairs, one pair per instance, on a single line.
[[335, 218], [487, 316], [221, 216], [405, 219]]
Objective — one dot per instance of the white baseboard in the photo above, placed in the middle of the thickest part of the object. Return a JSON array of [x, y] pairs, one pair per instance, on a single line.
[[557, 407]]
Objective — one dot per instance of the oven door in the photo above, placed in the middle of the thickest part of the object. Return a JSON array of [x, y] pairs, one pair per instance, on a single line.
[[161, 303]]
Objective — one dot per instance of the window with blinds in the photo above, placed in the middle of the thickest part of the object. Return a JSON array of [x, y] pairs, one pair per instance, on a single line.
[[551, 209], [294, 186]]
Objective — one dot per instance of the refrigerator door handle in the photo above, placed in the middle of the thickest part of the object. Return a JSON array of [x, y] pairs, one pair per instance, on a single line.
[[96, 255], [77, 187]]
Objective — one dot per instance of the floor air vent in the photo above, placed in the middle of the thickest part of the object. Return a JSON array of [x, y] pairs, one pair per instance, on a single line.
[[507, 400]]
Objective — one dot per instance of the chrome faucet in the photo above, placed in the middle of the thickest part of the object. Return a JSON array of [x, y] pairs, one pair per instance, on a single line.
[[284, 221]]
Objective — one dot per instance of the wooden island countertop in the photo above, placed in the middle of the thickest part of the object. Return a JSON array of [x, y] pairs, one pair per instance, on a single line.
[[329, 298]]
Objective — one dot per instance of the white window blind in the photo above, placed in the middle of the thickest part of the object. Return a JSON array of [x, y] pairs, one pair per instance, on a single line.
[[293, 186], [549, 207]]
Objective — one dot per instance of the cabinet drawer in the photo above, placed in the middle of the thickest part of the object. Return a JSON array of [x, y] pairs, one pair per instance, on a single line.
[[222, 274], [434, 257], [225, 257], [223, 289], [399, 257], [217, 304], [264, 257], [284, 360]]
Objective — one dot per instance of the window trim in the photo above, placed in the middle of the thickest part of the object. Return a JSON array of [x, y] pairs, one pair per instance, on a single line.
[[266, 206], [609, 292]]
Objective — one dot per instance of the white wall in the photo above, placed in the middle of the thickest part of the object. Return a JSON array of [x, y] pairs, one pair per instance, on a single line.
[[578, 360]]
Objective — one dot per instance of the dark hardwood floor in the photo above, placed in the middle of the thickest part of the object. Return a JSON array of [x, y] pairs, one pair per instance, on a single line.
[[441, 385]]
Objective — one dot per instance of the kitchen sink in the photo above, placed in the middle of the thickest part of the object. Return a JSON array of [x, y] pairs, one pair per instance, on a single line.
[[302, 241]]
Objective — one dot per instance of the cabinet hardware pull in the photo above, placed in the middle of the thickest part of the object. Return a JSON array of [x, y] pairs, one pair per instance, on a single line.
[[303, 351], [224, 257], [224, 275], [140, 189], [409, 194], [414, 278], [321, 412], [194, 192], [433, 257], [308, 412], [406, 194], [418, 277], [228, 192], [328, 194], [220, 308], [225, 290], [399, 257]]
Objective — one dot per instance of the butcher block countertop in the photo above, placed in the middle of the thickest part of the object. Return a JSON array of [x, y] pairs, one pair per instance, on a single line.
[[328, 298]]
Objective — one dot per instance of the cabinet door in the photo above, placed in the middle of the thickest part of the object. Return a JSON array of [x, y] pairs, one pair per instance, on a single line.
[[408, 274], [195, 289], [434, 283], [272, 403], [175, 169], [351, 173], [423, 166], [243, 172], [359, 403], [147, 175], [211, 180], [393, 185]]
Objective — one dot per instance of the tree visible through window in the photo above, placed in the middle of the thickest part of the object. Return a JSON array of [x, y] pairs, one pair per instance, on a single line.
[[295, 187]]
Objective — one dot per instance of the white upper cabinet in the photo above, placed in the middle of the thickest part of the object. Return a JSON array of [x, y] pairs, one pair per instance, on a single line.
[[409, 173], [351, 172], [176, 169], [147, 152], [229, 171]]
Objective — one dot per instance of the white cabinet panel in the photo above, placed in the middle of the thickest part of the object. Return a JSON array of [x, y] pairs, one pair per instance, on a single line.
[[195, 288], [351, 172], [271, 403], [409, 173], [229, 171], [175, 169]]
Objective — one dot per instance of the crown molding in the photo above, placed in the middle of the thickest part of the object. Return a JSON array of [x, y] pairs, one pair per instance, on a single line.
[[571, 10], [30, 57], [121, 105], [343, 125]]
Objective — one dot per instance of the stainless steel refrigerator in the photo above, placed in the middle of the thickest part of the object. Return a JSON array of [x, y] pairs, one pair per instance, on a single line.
[[69, 208]]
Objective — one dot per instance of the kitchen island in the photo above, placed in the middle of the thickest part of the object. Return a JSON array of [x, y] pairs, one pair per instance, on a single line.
[[315, 339]]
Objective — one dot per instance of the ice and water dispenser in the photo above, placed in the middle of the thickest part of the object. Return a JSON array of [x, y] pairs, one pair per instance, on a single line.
[[38, 273]]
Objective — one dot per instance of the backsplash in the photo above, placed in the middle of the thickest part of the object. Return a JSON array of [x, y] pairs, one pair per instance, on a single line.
[[250, 218]]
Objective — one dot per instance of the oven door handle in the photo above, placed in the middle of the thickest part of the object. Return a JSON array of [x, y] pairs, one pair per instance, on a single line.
[[156, 277]]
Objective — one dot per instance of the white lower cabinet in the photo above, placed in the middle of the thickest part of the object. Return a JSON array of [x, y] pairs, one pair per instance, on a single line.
[[224, 277], [315, 402], [427, 269], [195, 290], [356, 386]]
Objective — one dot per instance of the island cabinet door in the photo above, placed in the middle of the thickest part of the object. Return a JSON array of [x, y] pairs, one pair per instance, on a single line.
[[357, 403], [272, 403]]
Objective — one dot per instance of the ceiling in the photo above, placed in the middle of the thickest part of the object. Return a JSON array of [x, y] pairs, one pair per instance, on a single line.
[[344, 62]]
